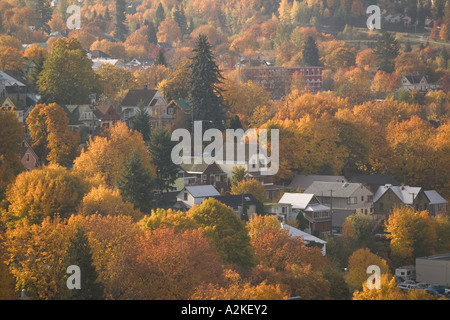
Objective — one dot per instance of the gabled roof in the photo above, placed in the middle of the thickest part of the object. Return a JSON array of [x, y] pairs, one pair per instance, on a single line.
[[294, 232], [134, 96], [406, 194], [10, 81], [297, 200], [380, 179], [303, 181], [182, 103], [415, 79], [202, 191], [102, 112], [335, 189], [434, 197]]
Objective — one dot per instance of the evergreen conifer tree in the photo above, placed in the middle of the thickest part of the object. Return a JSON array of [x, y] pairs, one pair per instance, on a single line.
[[79, 254], [386, 50], [120, 27], [135, 183], [141, 121], [151, 33], [160, 58], [43, 15], [180, 18], [310, 52], [205, 94], [160, 148], [160, 15]]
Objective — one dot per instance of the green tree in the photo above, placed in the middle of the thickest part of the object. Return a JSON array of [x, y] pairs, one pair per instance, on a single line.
[[160, 148], [141, 122], [135, 183], [180, 18], [79, 254], [386, 50], [160, 15], [205, 94], [226, 230], [160, 58], [310, 52], [151, 33], [239, 173], [67, 66], [43, 15], [120, 26]]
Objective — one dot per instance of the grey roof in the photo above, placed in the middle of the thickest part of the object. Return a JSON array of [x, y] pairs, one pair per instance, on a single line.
[[297, 200], [380, 179], [415, 79], [235, 200], [10, 81], [406, 194], [434, 197], [339, 215], [135, 95], [303, 181], [202, 191], [335, 189]]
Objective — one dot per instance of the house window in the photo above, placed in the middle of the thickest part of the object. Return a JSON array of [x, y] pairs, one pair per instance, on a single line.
[[204, 177], [283, 209], [362, 198], [351, 200], [370, 198], [28, 157], [185, 196], [218, 178]]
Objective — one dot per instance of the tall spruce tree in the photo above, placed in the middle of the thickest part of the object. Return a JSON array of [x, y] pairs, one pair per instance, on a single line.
[[151, 32], [135, 183], [120, 26], [79, 254], [160, 59], [310, 52], [180, 18], [160, 15], [205, 94], [160, 148], [386, 50], [141, 121], [44, 13]]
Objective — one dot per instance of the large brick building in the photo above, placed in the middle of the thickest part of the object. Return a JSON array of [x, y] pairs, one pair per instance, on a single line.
[[277, 79]]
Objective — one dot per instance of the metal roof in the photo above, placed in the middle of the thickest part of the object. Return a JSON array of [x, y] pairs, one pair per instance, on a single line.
[[202, 191]]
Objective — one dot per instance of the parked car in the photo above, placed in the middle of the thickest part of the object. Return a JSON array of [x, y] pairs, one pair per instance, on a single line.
[[421, 286], [447, 291], [407, 285], [437, 287], [434, 293]]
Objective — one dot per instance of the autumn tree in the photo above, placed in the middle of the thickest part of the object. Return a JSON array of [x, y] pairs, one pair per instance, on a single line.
[[169, 31], [135, 183], [358, 263], [67, 66], [79, 254], [10, 153], [177, 86], [205, 95], [161, 218], [53, 140], [412, 235], [35, 256], [10, 59], [104, 201], [115, 81], [101, 162], [253, 187], [43, 192], [226, 231], [239, 174]]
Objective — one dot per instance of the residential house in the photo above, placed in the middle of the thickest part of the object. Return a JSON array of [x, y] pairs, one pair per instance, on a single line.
[[389, 197], [180, 110], [29, 158], [307, 204], [164, 46], [14, 89], [140, 63], [374, 181], [347, 195], [98, 62], [82, 116], [237, 201], [8, 104], [194, 195], [205, 174], [307, 238], [302, 181], [97, 54], [416, 83], [153, 102], [106, 115], [437, 204]]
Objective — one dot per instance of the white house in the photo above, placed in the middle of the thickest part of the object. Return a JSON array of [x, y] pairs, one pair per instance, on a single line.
[[307, 238], [192, 195]]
